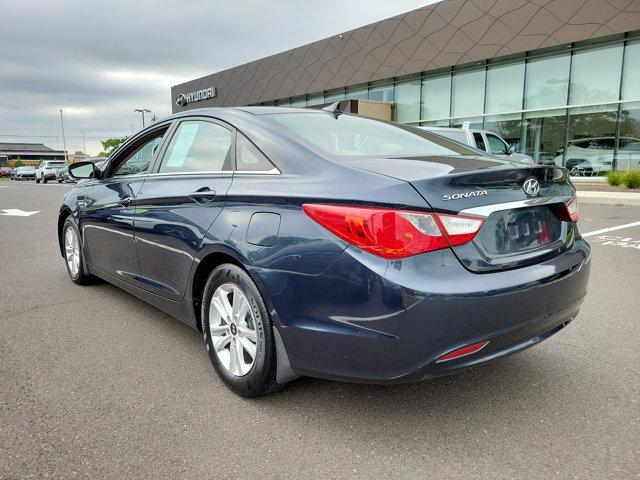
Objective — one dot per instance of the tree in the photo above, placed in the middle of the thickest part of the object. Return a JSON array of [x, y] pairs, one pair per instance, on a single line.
[[110, 144], [19, 162]]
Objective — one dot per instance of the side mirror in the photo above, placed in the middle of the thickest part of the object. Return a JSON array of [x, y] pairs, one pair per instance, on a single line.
[[512, 149], [82, 170]]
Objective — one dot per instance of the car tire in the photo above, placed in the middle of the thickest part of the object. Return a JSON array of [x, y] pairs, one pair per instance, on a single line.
[[44, 179], [229, 331], [75, 266], [59, 181], [37, 180]]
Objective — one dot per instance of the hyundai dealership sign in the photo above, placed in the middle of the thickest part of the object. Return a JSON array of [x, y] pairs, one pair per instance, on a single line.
[[196, 96]]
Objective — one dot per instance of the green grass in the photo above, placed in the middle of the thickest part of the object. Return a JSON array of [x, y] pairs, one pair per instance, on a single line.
[[614, 178], [4, 179], [632, 179]]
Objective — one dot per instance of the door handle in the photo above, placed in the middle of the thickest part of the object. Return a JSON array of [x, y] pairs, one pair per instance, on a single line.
[[203, 195]]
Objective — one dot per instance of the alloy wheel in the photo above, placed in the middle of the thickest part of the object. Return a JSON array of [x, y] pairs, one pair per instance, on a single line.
[[233, 329], [72, 251]]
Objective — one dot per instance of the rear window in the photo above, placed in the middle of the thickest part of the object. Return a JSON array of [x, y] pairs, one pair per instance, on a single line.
[[351, 136]]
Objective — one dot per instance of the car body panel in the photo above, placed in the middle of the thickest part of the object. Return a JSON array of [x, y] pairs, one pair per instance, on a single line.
[[107, 226]]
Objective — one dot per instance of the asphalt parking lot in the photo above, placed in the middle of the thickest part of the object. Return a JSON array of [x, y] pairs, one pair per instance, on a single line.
[[94, 383]]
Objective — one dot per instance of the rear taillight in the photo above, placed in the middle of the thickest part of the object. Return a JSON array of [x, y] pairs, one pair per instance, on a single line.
[[391, 233], [572, 209], [568, 211]]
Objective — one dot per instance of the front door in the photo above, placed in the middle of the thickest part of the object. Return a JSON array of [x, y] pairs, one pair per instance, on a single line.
[[107, 220], [180, 201]]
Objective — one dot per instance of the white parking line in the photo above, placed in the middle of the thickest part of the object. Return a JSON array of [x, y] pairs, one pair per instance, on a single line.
[[611, 229]]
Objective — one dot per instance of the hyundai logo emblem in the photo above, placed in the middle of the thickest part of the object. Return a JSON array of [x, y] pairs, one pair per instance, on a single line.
[[531, 186], [181, 101]]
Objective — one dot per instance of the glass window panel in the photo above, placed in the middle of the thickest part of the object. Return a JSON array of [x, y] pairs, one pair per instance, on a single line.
[[468, 122], [315, 100], [631, 78], [436, 123], [591, 144], [542, 136], [547, 82], [139, 161], [198, 146], [283, 103], [595, 75], [248, 157], [383, 93], [468, 93], [299, 102], [505, 86], [357, 94], [629, 143], [496, 145], [477, 136], [436, 98], [408, 101], [334, 97], [509, 127]]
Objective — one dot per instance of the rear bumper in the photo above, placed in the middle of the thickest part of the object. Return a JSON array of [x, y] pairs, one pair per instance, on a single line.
[[367, 319]]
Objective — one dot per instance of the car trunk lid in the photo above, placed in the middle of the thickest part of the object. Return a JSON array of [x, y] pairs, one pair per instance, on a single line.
[[522, 226]]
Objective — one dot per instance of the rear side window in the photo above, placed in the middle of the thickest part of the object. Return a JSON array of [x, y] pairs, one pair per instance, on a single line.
[[249, 158], [477, 136], [198, 146]]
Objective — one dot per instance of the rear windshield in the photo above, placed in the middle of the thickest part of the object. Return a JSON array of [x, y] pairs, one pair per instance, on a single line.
[[351, 136]]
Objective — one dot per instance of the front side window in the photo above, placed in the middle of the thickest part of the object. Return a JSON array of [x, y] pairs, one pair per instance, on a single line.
[[139, 160], [497, 146], [198, 146], [352, 136]]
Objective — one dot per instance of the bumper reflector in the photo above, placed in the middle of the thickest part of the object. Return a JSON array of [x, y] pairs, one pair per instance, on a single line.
[[462, 352]]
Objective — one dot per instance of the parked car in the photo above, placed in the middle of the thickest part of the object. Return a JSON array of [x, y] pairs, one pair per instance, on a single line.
[[484, 140], [63, 175], [593, 156], [25, 173], [319, 243], [47, 170], [5, 172]]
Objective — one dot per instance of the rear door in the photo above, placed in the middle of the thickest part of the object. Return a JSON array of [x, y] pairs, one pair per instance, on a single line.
[[180, 200], [107, 219]]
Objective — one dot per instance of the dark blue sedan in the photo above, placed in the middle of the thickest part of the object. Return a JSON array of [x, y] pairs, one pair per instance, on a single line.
[[308, 242]]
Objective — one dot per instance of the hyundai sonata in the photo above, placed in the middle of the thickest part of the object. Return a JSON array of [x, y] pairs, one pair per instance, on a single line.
[[308, 242]]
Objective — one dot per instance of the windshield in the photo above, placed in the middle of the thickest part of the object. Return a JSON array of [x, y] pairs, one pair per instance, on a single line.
[[351, 136]]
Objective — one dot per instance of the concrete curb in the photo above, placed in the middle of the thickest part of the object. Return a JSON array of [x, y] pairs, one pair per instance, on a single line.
[[609, 198]]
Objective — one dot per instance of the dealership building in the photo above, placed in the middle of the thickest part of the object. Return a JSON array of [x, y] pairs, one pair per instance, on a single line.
[[558, 79]]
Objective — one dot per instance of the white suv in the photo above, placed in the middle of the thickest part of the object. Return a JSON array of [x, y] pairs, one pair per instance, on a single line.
[[47, 170], [485, 140]]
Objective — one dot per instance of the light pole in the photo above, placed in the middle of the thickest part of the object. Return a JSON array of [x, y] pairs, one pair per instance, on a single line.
[[84, 149], [142, 111], [64, 142]]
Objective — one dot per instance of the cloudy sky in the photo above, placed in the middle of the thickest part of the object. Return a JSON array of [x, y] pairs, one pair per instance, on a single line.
[[98, 60]]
